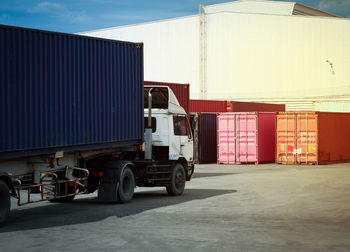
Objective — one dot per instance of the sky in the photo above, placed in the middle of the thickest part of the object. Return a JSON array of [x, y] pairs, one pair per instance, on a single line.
[[73, 16]]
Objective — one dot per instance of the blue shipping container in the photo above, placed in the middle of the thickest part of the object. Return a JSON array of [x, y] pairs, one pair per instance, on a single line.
[[67, 92]]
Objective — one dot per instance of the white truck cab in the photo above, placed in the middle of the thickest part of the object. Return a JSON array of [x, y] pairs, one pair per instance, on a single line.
[[171, 130]]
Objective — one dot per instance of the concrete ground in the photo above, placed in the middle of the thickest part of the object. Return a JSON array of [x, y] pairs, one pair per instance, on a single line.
[[224, 208]]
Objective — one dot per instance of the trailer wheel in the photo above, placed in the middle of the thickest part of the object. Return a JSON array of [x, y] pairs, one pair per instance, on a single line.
[[126, 185], [177, 181], [5, 202]]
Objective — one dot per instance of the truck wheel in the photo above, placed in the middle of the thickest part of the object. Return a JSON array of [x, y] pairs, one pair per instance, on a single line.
[[5, 202], [177, 181], [126, 185]]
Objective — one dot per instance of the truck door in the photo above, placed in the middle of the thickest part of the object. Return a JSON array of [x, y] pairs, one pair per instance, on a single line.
[[183, 136]]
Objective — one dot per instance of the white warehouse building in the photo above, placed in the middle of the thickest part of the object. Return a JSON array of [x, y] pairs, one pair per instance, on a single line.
[[263, 51]]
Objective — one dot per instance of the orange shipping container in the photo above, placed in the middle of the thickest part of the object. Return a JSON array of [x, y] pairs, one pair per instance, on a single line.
[[312, 137]]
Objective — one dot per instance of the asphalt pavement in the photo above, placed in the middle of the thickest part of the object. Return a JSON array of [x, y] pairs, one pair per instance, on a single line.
[[265, 207]]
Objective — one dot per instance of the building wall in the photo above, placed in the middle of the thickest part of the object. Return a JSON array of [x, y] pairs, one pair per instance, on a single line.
[[251, 56], [262, 7], [248, 57], [266, 7], [334, 106], [171, 52]]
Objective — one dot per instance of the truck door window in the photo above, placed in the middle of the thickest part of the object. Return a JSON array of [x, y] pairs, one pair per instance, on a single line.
[[154, 124], [180, 126]]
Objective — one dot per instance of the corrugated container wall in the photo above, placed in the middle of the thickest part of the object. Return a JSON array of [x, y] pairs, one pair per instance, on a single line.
[[312, 137], [204, 131], [234, 106], [181, 91], [332, 106], [67, 92], [246, 137], [208, 106]]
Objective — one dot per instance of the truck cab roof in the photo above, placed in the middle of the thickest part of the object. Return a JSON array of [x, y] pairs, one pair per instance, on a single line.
[[163, 100]]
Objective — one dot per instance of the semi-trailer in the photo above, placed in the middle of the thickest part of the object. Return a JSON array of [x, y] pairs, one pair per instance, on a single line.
[[76, 118]]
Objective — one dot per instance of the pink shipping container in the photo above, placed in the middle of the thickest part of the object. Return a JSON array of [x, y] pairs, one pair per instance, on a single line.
[[246, 137]]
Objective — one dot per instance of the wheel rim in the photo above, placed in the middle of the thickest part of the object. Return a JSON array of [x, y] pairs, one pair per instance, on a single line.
[[179, 179], [127, 185]]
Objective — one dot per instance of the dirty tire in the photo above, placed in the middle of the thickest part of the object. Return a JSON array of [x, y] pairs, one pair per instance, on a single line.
[[5, 202], [126, 185], [178, 181]]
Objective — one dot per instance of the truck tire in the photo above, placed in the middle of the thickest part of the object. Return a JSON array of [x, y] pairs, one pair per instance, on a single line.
[[177, 180], [5, 202], [126, 185]]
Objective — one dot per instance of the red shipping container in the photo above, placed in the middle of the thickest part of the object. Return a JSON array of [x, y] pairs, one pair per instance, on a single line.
[[208, 106], [181, 91], [312, 137], [246, 137], [234, 106]]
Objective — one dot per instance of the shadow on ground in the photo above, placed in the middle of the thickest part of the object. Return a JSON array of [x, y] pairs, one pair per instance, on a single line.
[[211, 174], [90, 210]]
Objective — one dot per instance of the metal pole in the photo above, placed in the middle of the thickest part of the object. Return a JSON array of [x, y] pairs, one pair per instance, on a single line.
[[228, 137], [307, 133], [286, 137], [202, 52], [246, 137], [235, 135], [148, 130], [294, 147], [299, 138], [150, 108]]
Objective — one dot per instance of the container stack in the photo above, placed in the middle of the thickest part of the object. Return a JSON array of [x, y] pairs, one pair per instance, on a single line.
[[206, 132], [246, 137]]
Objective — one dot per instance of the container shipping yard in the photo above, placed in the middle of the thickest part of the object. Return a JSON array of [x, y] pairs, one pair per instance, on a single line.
[[234, 138]]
